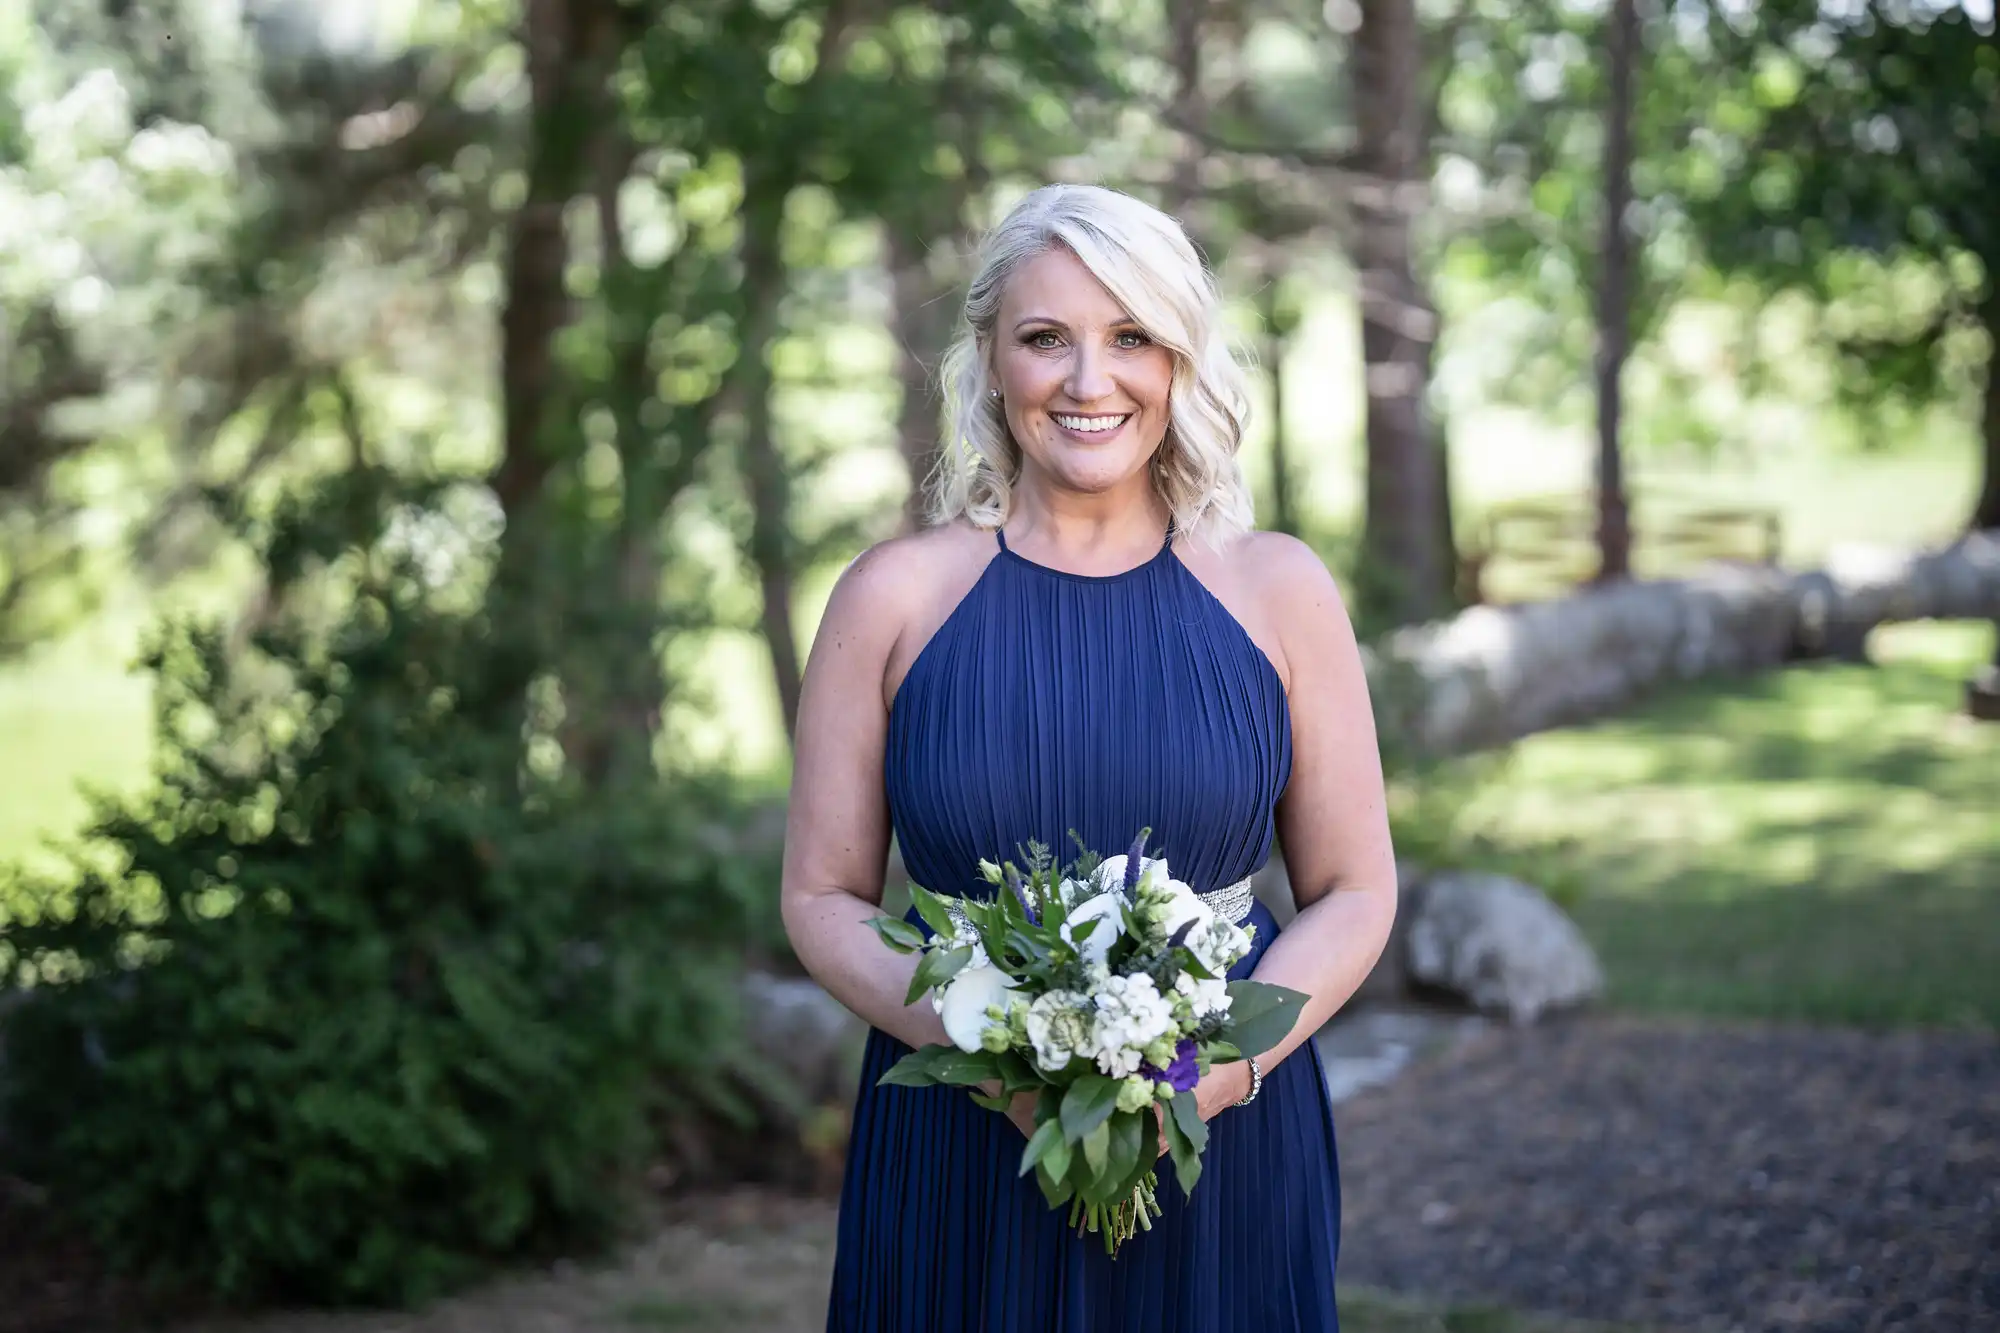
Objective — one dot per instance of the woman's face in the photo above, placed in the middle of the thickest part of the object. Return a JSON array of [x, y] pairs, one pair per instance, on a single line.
[[1085, 390]]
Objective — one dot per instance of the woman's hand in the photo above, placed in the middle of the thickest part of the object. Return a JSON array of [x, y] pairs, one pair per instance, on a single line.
[[1021, 1110], [1221, 1088]]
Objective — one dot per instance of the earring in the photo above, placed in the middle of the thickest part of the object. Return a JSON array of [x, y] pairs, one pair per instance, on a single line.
[[994, 394]]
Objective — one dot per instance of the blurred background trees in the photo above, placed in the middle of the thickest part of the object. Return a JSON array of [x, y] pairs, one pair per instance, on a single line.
[[479, 397]]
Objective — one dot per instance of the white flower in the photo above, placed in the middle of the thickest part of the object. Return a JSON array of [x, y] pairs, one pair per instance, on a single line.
[[1177, 905], [1060, 1026], [1218, 945], [965, 1000], [1108, 908], [1203, 997], [1131, 1015]]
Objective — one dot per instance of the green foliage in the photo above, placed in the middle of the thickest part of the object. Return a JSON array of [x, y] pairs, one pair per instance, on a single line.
[[364, 994], [1862, 167]]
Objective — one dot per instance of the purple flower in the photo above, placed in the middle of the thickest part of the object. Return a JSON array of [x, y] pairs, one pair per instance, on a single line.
[[1182, 1074], [1135, 860], [1014, 883]]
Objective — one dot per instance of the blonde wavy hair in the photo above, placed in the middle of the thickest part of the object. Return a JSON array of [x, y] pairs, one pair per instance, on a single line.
[[1149, 266]]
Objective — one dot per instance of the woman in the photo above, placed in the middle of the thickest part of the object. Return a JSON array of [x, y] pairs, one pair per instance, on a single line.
[[1089, 637]]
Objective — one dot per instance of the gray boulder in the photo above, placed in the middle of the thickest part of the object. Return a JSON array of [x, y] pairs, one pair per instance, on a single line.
[[806, 1034], [1500, 944]]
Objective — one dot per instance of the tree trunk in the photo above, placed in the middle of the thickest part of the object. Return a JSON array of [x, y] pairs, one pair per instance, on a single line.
[[610, 738], [763, 466], [1986, 511], [537, 307], [1190, 109], [1614, 298], [1284, 503], [1405, 575], [1982, 693], [922, 322]]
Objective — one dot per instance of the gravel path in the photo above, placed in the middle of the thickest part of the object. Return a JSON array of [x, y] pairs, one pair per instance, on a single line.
[[1732, 1178]]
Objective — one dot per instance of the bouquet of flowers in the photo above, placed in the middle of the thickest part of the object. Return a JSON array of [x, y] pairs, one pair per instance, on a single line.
[[1099, 986]]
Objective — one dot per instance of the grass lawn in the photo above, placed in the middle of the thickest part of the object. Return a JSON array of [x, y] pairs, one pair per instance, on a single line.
[[1819, 844], [69, 715]]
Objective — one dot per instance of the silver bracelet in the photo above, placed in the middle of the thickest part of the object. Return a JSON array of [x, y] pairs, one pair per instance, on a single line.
[[1256, 1081]]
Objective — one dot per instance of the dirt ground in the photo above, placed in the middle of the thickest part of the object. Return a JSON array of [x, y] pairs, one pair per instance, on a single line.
[[1739, 1178], [1735, 1179], [746, 1262]]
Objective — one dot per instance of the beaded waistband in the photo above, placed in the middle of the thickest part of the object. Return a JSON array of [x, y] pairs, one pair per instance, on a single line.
[[1233, 903], [1229, 904]]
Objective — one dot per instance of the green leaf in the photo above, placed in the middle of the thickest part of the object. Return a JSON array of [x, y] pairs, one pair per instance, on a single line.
[[1129, 1140], [931, 907], [1261, 1015], [960, 1068], [1027, 946], [1086, 1105], [914, 1069], [1185, 1147], [1016, 1074], [938, 967], [1148, 1156], [1047, 1135], [1219, 1051], [1058, 1158], [897, 933], [999, 1103], [1055, 1186], [1097, 1149], [1186, 1112]]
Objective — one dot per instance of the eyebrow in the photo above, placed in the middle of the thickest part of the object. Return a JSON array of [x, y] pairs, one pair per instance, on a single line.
[[1024, 322]]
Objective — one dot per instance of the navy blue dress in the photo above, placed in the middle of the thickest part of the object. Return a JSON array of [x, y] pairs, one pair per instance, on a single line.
[[1049, 701]]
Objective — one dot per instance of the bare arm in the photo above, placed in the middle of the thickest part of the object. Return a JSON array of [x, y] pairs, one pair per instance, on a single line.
[[837, 826], [1333, 820]]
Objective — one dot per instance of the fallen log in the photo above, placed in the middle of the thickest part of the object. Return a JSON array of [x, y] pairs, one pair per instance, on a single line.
[[1493, 674]]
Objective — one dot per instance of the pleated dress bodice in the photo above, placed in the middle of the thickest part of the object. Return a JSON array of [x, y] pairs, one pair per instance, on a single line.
[[1049, 702]]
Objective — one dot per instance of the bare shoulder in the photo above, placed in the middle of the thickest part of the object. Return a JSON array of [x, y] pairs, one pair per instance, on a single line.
[[1268, 581], [898, 573], [890, 596], [1295, 597], [1290, 578]]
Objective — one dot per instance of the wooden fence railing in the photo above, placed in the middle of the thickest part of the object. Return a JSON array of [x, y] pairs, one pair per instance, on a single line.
[[1541, 547]]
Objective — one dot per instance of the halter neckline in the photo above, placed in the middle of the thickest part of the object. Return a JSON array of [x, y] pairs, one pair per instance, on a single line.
[[1166, 548]]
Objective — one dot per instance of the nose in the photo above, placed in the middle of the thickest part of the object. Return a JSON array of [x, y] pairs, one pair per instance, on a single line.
[[1088, 378]]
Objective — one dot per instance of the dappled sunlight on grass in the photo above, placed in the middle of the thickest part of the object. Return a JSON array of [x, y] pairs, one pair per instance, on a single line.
[[1820, 843], [68, 716]]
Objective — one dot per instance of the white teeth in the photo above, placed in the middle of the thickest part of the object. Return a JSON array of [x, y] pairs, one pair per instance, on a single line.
[[1090, 425]]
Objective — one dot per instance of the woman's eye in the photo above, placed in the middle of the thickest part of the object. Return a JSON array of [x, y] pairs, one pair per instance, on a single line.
[[1131, 341], [1044, 339]]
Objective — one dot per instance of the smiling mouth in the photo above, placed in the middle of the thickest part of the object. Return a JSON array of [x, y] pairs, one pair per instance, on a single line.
[[1089, 425]]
